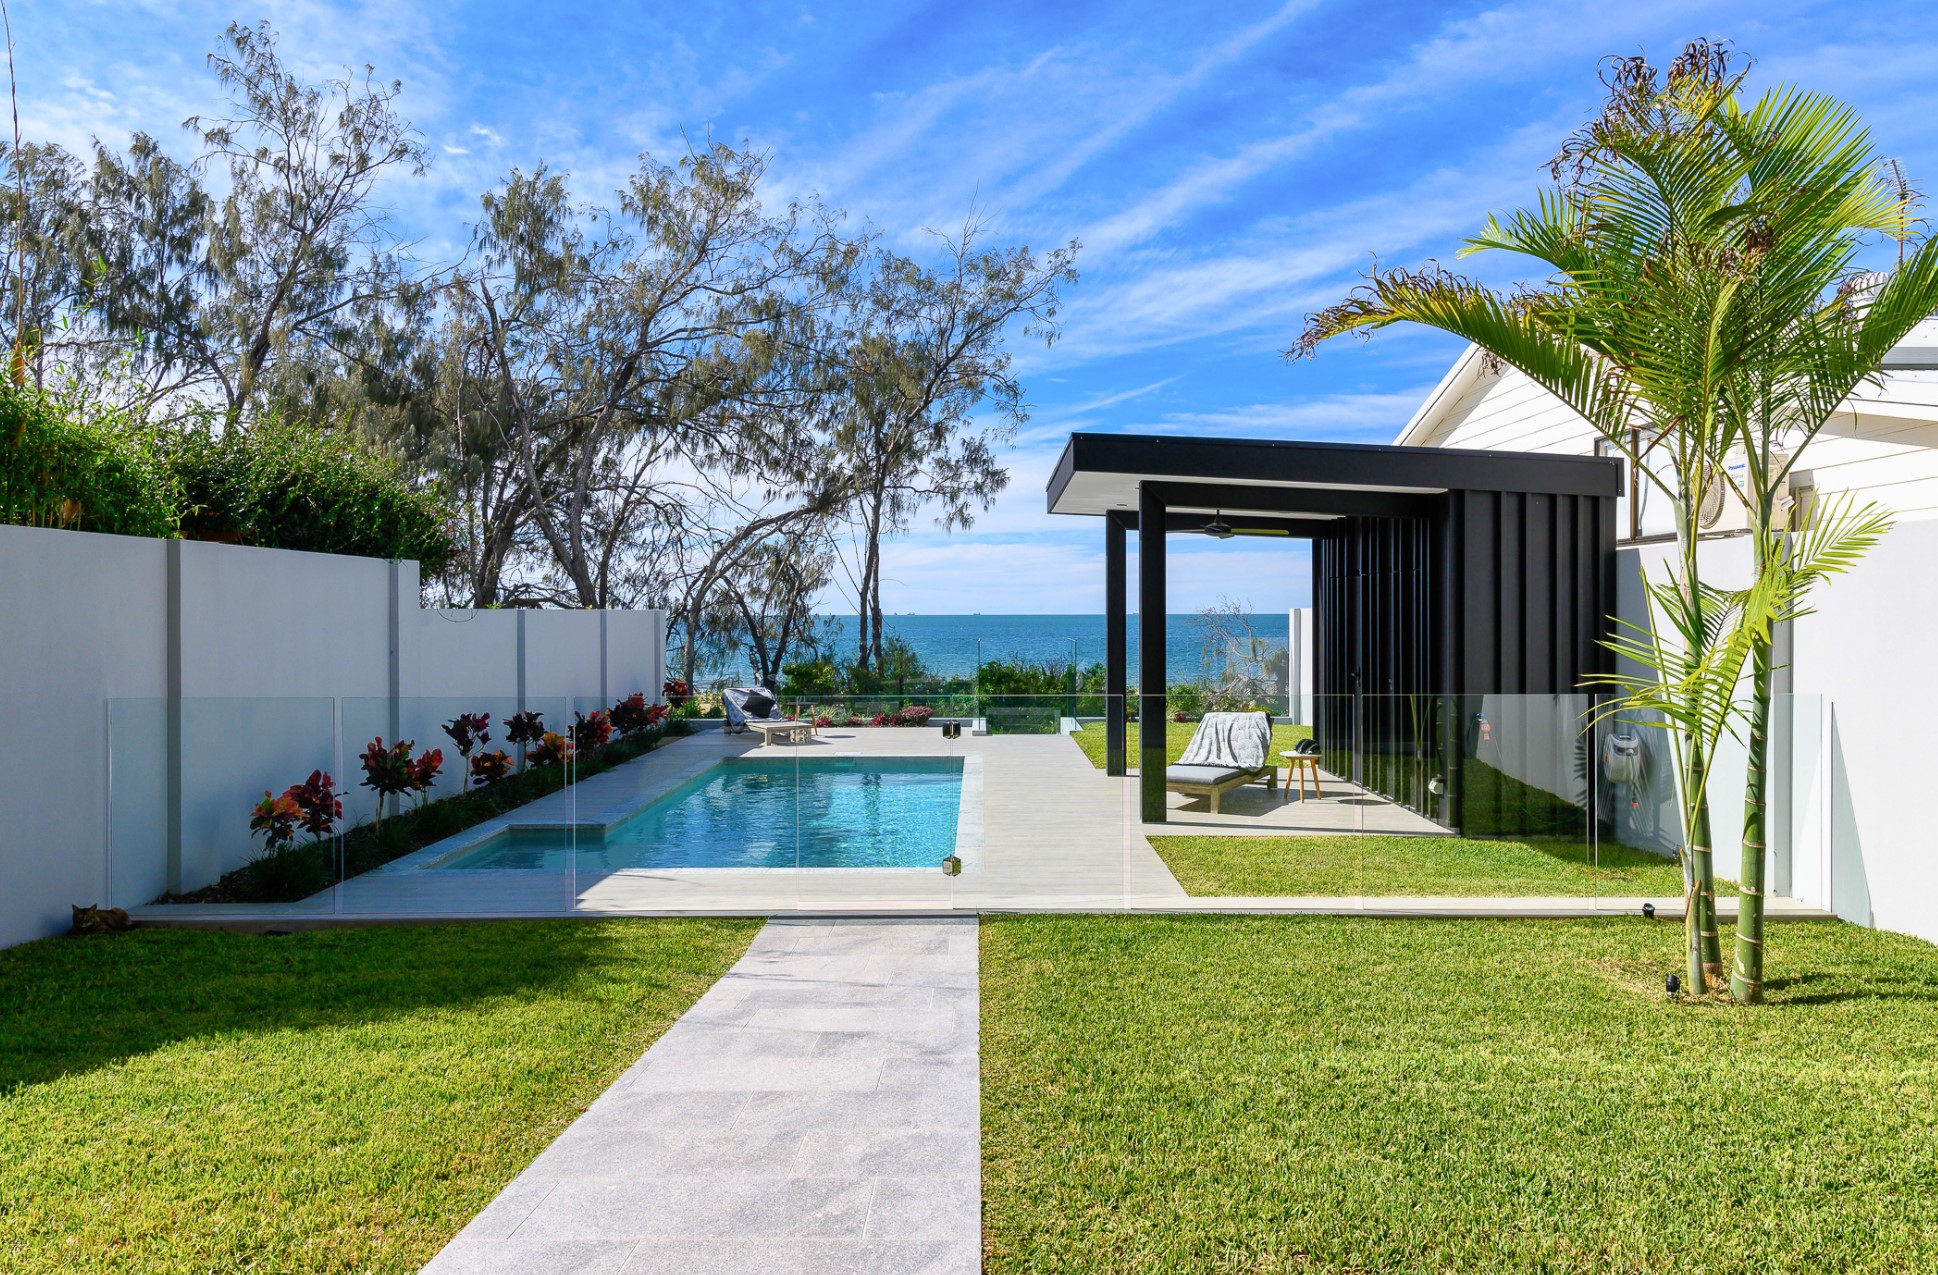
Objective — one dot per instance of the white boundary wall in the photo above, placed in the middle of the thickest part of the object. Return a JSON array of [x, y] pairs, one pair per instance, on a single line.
[[217, 670]]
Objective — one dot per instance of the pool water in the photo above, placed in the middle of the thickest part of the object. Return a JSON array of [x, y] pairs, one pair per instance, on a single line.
[[894, 812]]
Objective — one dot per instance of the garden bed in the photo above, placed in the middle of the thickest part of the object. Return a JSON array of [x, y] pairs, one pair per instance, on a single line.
[[300, 871]]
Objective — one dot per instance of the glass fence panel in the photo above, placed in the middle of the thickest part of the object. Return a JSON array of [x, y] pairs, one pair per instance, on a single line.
[[1640, 815], [187, 822], [453, 806]]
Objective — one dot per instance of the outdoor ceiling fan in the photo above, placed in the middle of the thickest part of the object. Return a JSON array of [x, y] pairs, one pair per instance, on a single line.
[[1219, 529]]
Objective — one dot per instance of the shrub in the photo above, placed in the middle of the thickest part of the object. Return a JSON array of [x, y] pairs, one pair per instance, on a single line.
[[489, 768], [289, 486], [59, 469], [590, 730], [275, 820], [914, 715], [633, 714], [468, 730], [676, 691], [881, 719], [551, 749], [316, 798]]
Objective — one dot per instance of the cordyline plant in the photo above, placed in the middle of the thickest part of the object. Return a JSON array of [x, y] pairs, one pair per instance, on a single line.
[[1700, 301], [275, 819], [524, 729], [491, 767], [633, 714], [468, 730], [590, 730], [392, 771], [317, 799], [551, 749]]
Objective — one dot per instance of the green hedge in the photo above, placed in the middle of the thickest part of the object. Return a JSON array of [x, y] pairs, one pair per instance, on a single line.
[[288, 486], [59, 470], [274, 485]]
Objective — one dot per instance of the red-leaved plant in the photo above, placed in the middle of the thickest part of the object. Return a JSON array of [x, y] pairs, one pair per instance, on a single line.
[[524, 728], [316, 797], [552, 749], [676, 691], [590, 730], [275, 819], [468, 731], [388, 771], [489, 768], [423, 771], [633, 714]]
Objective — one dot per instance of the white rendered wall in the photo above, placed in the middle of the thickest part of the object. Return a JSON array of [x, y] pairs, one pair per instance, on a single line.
[[82, 618], [155, 689]]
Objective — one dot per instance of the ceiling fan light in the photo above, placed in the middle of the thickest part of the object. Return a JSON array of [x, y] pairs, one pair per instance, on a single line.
[[1218, 528]]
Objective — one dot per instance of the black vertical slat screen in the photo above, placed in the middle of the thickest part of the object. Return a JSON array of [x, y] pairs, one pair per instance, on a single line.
[[1506, 593]]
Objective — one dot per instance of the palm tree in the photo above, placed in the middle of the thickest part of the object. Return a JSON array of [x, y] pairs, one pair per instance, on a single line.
[[1704, 303], [1626, 333], [1813, 192]]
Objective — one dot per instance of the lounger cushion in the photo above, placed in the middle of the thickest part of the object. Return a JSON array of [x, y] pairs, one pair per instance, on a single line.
[[1202, 774]]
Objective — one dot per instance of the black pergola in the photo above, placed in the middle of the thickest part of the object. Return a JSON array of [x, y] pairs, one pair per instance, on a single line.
[[1437, 573]]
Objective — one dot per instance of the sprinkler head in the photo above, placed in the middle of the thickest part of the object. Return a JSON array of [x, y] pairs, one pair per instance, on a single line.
[[1673, 984]]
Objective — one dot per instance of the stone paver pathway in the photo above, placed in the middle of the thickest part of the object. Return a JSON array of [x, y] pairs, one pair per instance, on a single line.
[[817, 1110]]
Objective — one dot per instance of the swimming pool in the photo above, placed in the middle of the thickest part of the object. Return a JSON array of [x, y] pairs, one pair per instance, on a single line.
[[838, 812]]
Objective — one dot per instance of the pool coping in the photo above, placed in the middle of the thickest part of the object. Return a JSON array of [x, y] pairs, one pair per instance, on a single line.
[[600, 820]]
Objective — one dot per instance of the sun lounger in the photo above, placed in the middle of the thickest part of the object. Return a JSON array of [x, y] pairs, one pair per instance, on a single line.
[[1227, 751]]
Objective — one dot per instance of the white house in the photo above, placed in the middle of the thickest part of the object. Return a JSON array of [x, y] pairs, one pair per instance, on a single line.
[[1852, 827]]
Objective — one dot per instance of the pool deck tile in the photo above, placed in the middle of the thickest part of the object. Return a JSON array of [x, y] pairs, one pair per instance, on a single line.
[[816, 1111]]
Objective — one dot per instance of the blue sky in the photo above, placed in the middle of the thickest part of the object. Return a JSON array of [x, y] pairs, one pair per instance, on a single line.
[[1227, 168]]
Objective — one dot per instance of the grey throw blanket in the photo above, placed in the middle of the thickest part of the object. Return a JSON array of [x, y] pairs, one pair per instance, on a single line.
[[740, 700], [1236, 741]]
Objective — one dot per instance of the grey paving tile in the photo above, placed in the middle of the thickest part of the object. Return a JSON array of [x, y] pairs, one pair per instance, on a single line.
[[804, 1257], [608, 1151], [849, 1044], [718, 1043], [856, 1018], [675, 1112], [884, 1153], [528, 1257], [941, 1208], [809, 1075], [702, 1207], [940, 1077], [890, 1109], [503, 1215]]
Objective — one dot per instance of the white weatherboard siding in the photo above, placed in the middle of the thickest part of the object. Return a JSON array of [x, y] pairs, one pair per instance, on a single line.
[[154, 689], [1851, 820]]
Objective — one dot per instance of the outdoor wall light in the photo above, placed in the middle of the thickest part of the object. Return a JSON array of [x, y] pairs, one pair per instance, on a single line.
[[952, 867], [1648, 910], [1218, 528]]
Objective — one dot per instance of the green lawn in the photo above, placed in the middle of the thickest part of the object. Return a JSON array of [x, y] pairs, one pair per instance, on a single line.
[[1375, 865], [1324, 1094], [344, 1100], [1176, 736]]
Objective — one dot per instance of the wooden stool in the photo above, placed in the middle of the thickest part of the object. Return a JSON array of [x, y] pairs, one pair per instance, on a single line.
[[1300, 764]]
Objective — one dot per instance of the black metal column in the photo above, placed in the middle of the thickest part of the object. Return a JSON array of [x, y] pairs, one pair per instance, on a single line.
[[1116, 633], [1150, 651]]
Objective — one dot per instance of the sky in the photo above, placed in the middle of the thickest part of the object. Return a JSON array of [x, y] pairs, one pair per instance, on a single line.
[[1225, 169]]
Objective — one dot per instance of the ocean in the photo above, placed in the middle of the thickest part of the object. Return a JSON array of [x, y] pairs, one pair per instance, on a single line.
[[951, 645]]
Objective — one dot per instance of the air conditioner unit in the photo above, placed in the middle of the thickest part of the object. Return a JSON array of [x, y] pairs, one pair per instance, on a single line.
[[1723, 511]]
